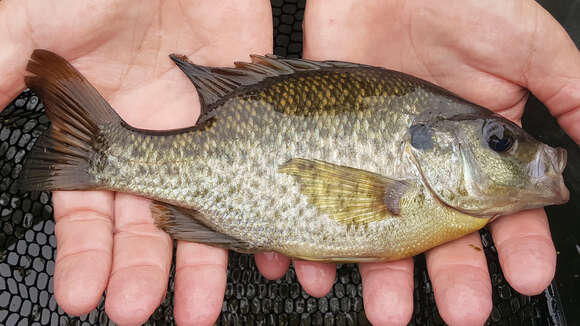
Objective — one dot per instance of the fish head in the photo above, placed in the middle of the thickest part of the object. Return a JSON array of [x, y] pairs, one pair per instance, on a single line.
[[485, 165]]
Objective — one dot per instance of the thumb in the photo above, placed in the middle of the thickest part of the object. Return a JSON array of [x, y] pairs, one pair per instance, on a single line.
[[16, 44], [553, 73]]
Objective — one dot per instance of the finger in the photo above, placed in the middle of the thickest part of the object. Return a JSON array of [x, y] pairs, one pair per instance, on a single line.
[[350, 27], [84, 234], [553, 73], [16, 46], [388, 292], [525, 250], [316, 278], [272, 264], [461, 283], [200, 283], [141, 262], [238, 28]]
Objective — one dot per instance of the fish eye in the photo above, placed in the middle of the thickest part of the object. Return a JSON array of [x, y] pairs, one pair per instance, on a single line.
[[498, 137], [500, 144]]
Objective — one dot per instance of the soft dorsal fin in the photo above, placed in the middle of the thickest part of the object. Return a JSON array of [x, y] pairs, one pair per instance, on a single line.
[[347, 195], [214, 83]]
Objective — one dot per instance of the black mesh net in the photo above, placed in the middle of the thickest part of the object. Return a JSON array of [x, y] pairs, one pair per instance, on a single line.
[[28, 247]]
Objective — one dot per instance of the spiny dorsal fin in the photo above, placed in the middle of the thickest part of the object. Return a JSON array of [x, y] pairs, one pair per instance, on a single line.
[[348, 195], [214, 83], [187, 224]]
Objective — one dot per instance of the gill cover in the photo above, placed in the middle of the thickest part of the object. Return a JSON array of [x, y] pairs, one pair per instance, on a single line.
[[439, 159], [485, 165]]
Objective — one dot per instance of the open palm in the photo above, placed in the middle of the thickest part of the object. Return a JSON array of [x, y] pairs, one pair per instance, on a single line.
[[489, 53], [108, 241]]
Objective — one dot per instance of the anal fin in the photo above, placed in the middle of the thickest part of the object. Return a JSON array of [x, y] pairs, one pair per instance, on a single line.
[[186, 224]]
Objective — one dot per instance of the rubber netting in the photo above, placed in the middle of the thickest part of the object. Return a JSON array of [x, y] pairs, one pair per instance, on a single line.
[[27, 250]]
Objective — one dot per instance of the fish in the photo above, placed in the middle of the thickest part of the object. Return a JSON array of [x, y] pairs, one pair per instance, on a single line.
[[317, 160]]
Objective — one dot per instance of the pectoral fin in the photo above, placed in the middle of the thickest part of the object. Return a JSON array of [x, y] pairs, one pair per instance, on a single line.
[[187, 224], [346, 194]]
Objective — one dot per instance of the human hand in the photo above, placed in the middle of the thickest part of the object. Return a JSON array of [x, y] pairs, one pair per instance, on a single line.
[[488, 53], [108, 241]]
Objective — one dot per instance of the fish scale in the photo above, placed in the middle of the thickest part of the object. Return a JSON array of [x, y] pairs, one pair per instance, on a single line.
[[327, 161], [234, 157]]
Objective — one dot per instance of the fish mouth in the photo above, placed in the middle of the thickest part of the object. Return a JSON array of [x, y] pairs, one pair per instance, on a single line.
[[562, 158], [554, 158], [547, 171], [559, 158], [546, 186]]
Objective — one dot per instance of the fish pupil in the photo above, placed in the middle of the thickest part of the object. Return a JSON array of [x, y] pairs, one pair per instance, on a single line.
[[500, 144]]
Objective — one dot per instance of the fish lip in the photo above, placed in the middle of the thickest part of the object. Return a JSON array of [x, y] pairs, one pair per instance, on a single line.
[[562, 158], [556, 157], [554, 180], [548, 165]]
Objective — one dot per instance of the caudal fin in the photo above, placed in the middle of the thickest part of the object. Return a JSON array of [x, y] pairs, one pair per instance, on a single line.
[[60, 158]]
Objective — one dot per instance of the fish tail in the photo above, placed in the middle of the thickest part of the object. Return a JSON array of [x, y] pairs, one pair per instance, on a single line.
[[60, 159]]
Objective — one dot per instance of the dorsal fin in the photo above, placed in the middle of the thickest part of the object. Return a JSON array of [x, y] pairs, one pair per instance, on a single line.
[[214, 83]]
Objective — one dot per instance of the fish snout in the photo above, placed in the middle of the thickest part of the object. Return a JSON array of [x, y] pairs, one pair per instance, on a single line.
[[560, 159], [546, 171], [549, 161]]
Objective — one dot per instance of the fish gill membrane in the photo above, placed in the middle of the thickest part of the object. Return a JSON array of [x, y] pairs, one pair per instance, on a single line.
[[327, 161]]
